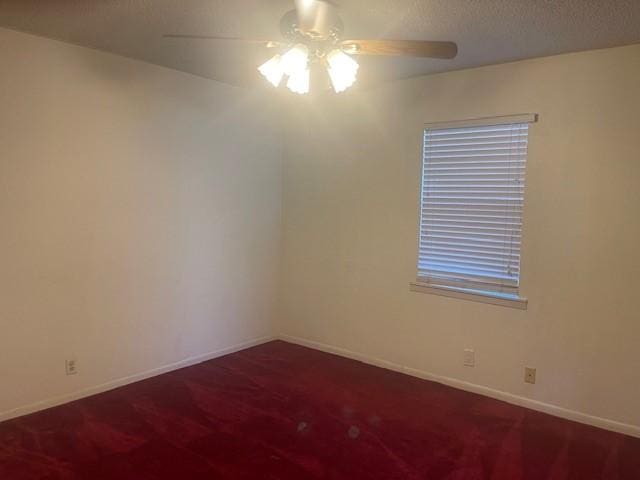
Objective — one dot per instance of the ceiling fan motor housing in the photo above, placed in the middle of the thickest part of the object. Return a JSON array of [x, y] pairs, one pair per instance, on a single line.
[[326, 27]]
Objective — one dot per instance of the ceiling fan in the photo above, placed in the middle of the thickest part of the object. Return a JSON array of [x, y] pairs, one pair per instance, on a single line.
[[313, 35]]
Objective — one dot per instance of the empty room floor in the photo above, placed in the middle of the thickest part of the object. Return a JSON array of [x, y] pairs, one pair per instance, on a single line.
[[281, 411]]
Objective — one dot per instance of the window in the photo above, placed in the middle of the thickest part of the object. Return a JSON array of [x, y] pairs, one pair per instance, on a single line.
[[471, 205]]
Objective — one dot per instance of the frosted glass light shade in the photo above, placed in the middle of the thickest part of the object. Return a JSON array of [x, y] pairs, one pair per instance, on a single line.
[[295, 60], [343, 70], [299, 81], [295, 64], [272, 70]]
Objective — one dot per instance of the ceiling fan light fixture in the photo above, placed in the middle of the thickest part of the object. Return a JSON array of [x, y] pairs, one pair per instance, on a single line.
[[272, 70], [296, 60], [312, 35], [342, 69], [299, 81]]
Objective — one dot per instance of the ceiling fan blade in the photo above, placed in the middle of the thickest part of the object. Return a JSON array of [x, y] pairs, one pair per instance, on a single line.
[[316, 17], [413, 48], [267, 43]]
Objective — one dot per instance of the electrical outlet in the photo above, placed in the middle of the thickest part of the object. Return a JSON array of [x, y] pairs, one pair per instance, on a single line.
[[529, 375], [469, 358], [71, 366]]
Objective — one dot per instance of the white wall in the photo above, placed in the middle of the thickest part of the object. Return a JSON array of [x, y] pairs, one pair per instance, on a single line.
[[139, 217], [351, 182]]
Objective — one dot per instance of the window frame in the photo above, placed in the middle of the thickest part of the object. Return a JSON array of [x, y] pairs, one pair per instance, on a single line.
[[485, 292]]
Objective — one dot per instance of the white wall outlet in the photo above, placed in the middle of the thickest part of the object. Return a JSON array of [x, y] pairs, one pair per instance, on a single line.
[[71, 366], [469, 358], [529, 375]]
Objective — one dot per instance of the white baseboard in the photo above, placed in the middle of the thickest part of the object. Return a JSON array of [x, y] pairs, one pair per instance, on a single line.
[[86, 392], [554, 410]]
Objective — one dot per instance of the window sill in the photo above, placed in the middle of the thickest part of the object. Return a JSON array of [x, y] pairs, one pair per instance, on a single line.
[[471, 295]]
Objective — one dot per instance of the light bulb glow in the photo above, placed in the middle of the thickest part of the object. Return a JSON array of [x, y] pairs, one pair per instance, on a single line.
[[272, 70], [343, 70], [295, 60], [299, 81]]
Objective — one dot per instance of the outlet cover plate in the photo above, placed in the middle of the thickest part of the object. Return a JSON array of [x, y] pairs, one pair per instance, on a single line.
[[71, 366], [529, 375]]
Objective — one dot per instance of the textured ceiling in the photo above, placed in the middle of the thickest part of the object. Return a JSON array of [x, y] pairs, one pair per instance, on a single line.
[[487, 31]]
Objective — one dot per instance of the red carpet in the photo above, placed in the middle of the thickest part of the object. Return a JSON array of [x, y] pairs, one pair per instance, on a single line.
[[280, 411]]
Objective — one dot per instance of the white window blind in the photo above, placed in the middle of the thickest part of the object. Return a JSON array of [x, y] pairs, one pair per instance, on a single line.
[[471, 205]]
